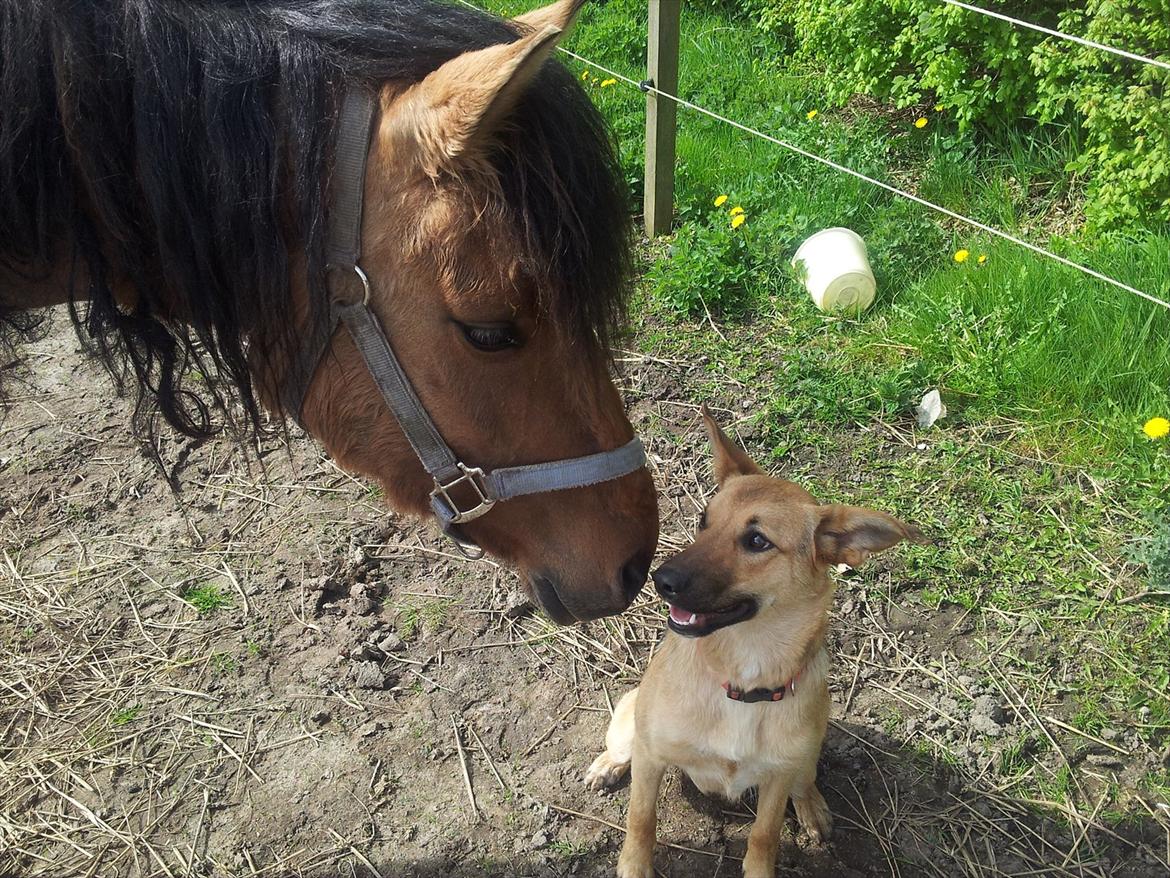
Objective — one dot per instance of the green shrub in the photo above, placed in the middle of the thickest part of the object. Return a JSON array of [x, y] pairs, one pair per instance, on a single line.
[[1124, 106], [710, 268], [988, 73]]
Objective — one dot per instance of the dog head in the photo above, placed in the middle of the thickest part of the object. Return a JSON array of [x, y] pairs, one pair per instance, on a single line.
[[764, 547]]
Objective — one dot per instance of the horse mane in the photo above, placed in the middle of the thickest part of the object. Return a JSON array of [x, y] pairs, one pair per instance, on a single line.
[[181, 147]]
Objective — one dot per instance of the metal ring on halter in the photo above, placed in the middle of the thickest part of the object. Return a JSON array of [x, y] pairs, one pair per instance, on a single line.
[[470, 475], [356, 269]]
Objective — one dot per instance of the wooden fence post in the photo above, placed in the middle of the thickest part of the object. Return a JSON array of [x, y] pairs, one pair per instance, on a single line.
[[662, 71]]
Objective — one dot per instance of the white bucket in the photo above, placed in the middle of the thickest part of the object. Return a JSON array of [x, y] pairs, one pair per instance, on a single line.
[[836, 270]]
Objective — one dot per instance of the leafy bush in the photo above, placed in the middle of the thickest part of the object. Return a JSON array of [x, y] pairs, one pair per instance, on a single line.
[[1124, 106], [710, 268], [989, 73]]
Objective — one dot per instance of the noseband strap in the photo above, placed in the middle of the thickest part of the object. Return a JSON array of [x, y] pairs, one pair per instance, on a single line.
[[461, 493]]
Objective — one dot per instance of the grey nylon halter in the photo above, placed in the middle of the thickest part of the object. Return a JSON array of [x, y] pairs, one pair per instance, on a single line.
[[343, 252]]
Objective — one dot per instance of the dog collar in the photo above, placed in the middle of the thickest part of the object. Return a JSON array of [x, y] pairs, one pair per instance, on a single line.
[[751, 696]]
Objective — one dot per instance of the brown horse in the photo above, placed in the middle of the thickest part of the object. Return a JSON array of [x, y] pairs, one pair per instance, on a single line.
[[168, 178]]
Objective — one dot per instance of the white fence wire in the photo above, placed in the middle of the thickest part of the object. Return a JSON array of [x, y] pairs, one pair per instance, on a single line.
[[1017, 22]]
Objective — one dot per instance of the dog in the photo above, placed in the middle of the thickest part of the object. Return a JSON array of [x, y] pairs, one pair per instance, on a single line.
[[737, 695]]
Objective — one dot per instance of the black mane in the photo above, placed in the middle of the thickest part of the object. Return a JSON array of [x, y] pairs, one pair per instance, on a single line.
[[183, 145]]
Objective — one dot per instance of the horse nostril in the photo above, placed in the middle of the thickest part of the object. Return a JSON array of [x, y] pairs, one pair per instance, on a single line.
[[634, 575], [670, 581]]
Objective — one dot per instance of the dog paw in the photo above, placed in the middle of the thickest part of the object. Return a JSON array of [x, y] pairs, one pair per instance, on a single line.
[[814, 817], [758, 867], [635, 866], [605, 772]]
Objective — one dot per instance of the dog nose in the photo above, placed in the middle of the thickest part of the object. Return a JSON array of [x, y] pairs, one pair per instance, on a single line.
[[634, 575], [670, 581]]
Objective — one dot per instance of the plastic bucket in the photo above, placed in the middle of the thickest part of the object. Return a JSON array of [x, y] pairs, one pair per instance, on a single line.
[[836, 270]]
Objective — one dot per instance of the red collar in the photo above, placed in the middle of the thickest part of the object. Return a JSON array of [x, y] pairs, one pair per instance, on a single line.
[[753, 695]]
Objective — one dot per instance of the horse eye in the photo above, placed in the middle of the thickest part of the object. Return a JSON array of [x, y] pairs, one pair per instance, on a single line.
[[490, 338], [754, 541]]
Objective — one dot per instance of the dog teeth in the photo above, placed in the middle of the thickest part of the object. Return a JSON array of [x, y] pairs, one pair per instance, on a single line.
[[691, 621]]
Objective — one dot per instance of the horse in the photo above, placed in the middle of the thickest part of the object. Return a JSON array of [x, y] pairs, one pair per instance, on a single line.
[[174, 171]]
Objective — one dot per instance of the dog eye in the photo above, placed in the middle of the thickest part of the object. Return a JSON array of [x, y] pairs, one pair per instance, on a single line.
[[490, 337], [754, 541]]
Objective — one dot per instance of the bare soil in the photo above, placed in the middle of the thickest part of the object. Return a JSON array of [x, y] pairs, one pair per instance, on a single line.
[[369, 702]]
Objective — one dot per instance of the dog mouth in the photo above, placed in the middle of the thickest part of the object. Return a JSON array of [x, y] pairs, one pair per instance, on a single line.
[[690, 624]]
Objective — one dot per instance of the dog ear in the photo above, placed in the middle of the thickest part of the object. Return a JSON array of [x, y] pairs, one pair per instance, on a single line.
[[730, 459], [848, 534]]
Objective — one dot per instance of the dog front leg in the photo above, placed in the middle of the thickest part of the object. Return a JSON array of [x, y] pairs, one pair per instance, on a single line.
[[764, 840], [637, 858]]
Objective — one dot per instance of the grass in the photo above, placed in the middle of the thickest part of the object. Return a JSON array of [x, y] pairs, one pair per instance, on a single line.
[[207, 598], [224, 664], [417, 614], [126, 715]]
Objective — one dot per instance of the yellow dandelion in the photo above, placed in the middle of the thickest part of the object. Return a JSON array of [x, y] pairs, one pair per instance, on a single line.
[[735, 211], [961, 255], [720, 200], [938, 108], [1157, 428], [982, 258], [584, 75], [811, 114], [738, 220], [606, 83], [921, 122]]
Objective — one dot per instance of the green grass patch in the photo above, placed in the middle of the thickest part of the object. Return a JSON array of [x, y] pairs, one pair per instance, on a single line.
[[126, 715], [418, 615], [224, 663], [207, 598]]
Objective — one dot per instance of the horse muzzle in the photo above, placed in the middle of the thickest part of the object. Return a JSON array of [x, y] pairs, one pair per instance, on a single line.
[[566, 604]]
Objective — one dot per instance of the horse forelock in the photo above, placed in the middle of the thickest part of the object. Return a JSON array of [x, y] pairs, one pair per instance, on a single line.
[[179, 149]]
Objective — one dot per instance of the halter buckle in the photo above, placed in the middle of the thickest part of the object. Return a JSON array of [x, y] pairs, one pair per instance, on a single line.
[[470, 475]]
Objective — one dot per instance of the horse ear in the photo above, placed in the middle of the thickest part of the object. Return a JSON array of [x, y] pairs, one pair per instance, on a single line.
[[559, 15], [450, 116], [850, 534], [730, 459]]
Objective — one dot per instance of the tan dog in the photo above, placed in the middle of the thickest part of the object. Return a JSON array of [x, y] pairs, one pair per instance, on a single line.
[[737, 696]]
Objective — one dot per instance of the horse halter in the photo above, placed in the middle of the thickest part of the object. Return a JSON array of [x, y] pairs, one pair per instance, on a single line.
[[343, 251]]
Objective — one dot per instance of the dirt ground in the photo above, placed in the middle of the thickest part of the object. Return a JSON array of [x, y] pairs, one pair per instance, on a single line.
[[368, 702]]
